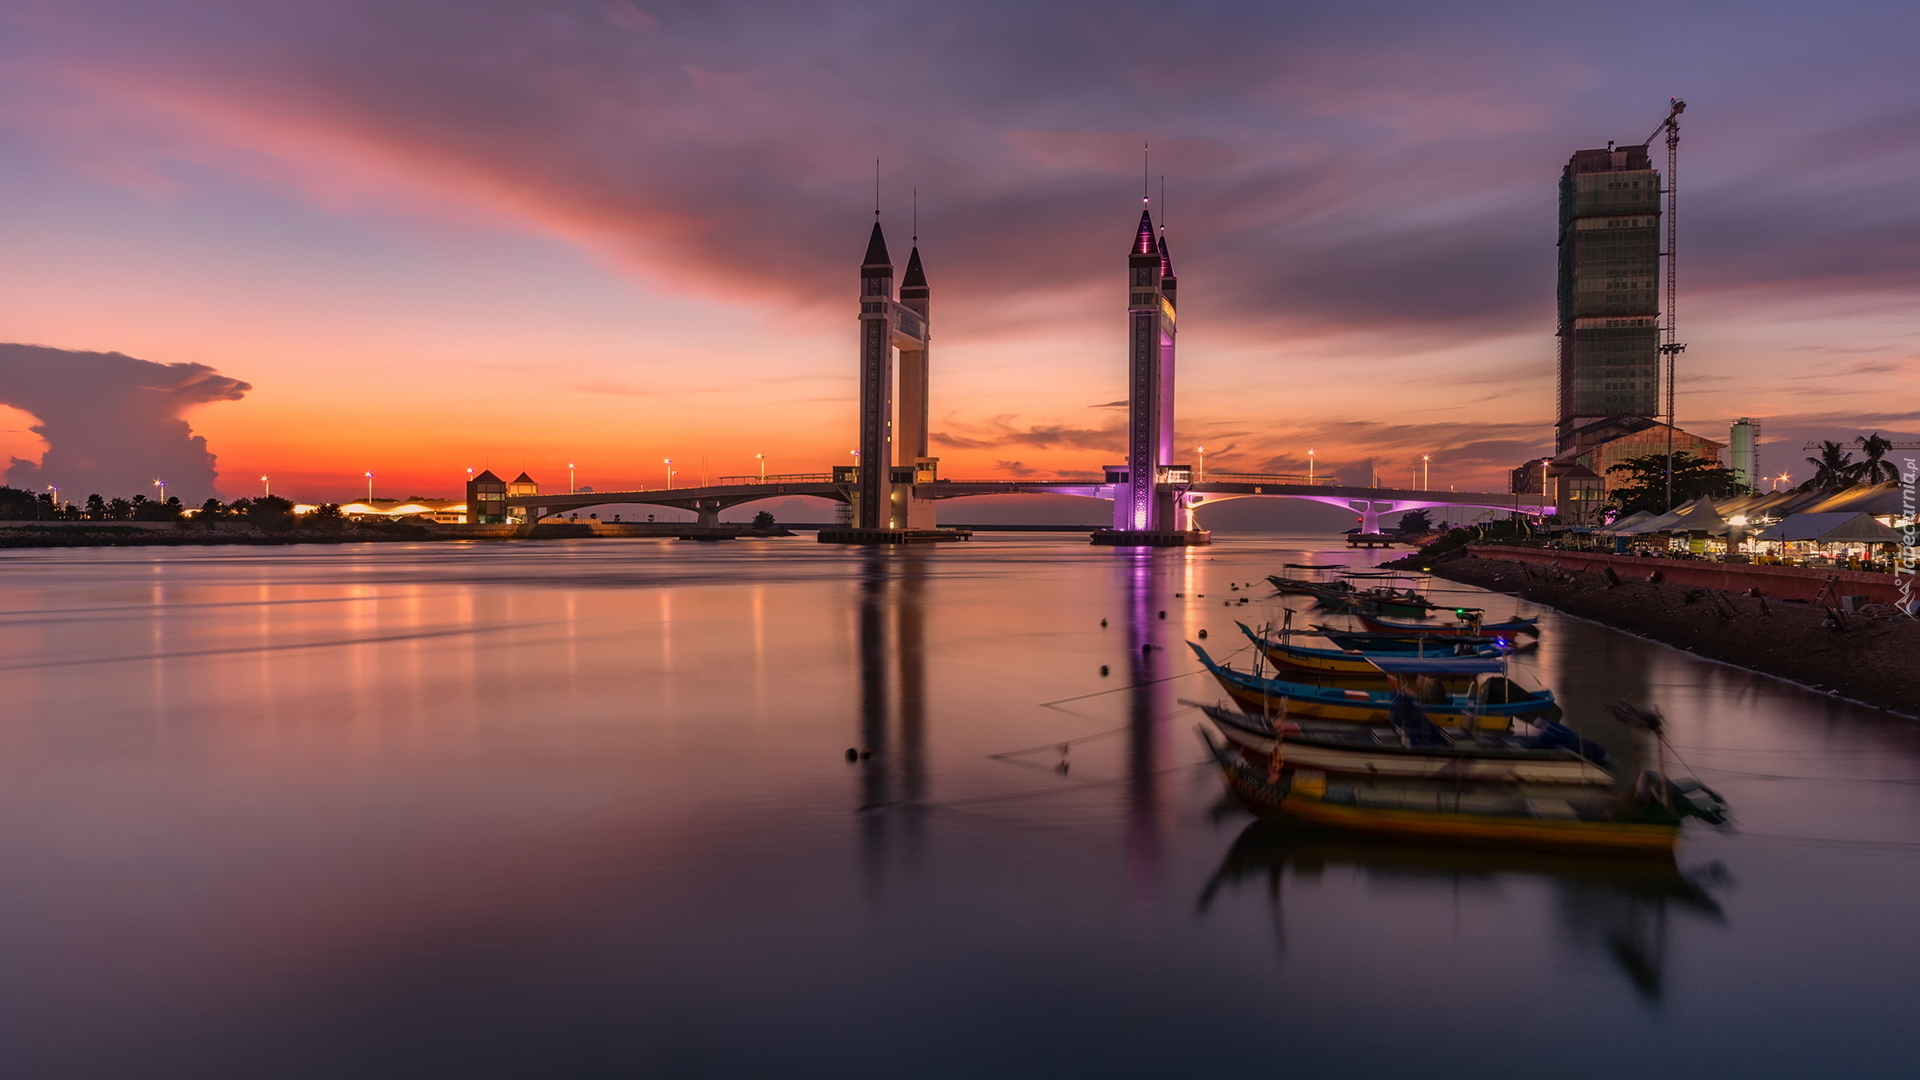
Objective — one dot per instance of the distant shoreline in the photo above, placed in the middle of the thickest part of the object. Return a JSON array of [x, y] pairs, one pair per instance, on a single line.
[[29, 534]]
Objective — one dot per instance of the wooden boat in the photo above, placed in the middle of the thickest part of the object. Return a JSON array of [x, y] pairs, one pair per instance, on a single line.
[[1422, 643], [1412, 746], [1465, 628], [1393, 601], [1455, 813], [1492, 704], [1340, 663], [1303, 587]]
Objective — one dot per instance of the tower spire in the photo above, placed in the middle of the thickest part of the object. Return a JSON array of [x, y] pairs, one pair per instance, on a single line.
[[1144, 242]]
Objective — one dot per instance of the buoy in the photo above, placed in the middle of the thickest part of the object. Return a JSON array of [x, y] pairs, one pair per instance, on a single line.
[[1103, 624], [1163, 614], [1103, 671], [1203, 635], [1179, 596], [852, 754], [865, 754], [1145, 649]]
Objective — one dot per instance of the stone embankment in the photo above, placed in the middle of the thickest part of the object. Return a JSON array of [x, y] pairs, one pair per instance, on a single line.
[[1871, 656]]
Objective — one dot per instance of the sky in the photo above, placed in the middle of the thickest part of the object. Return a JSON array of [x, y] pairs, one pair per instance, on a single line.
[[417, 238]]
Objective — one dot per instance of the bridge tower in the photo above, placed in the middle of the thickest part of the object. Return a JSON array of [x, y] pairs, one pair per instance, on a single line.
[[1140, 504], [883, 495], [915, 392]]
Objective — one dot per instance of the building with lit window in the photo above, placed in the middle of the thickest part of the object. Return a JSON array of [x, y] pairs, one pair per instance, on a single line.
[[487, 499], [1609, 289]]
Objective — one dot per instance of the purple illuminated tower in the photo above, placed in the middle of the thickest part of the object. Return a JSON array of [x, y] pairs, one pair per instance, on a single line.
[[1139, 505]]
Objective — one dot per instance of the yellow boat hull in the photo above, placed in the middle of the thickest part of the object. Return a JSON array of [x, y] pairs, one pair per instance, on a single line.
[[1302, 801], [1359, 712]]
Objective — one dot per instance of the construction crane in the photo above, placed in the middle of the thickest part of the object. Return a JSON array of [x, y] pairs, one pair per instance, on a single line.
[[1671, 348]]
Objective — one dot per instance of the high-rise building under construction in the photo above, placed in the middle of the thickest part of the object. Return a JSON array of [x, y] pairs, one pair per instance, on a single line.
[[1609, 289]]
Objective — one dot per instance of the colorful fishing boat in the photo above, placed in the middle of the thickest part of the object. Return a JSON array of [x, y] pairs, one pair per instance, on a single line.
[[1392, 601], [1491, 704], [1457, 813], [1467, 627], [1411, 643], [1410, 745], [1303, 587], [1283, 654]]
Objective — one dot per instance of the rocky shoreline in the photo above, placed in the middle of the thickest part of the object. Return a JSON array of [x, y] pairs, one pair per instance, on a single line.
[[1872, 657]]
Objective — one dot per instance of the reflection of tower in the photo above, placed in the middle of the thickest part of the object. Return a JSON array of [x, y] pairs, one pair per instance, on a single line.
[[1144, 707], [870, 631], [1138, 505], [883, 498], [890, 640], [910, 661]]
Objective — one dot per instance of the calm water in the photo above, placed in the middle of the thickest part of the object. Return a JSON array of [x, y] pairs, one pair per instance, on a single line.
[[582, 809]]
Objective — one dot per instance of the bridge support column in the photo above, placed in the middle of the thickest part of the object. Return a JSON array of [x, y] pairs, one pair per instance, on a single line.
[[1370, 515], [707, 513]]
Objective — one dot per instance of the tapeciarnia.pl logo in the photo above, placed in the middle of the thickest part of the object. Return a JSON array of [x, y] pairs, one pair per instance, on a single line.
[[1909, 551]]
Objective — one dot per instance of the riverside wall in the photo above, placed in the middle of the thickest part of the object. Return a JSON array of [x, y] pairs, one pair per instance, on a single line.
[[1775, 582]]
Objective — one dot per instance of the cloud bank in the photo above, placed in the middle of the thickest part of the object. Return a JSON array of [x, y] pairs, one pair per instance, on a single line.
[[1389, 165], [112, 423]]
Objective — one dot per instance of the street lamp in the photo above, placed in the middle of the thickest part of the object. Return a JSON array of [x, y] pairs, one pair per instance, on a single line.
[[162, 485], [1309, 467], [369, 486], [571, 490], [669, 462], [763, 467], [1423, 471], [267, 484], [1201, 475]]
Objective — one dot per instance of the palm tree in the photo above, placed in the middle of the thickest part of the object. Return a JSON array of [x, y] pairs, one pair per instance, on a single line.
[[1871, 469], [1833, 469]]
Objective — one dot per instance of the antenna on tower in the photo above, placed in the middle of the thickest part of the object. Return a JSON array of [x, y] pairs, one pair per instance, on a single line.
[[1146, 158], [876, 189], [1163, 202], [916, 215]]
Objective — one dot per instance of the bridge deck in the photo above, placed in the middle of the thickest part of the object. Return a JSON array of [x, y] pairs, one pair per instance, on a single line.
[[720, 496]]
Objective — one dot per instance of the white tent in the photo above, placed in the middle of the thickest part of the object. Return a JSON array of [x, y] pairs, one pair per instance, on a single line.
[[1854, 528], [1626, 525], [1697, 516]]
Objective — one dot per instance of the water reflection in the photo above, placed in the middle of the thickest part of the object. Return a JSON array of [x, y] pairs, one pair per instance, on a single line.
[[890, 641], [1143, 594], [1620, 908]]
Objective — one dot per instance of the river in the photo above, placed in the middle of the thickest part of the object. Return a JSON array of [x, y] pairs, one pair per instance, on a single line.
[[584, 809]]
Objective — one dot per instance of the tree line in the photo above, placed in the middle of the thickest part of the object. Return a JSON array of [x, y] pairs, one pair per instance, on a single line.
[[265, 512], [1697, 477]]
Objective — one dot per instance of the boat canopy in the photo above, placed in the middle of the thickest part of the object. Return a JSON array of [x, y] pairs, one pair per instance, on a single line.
[[1436, 665]]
